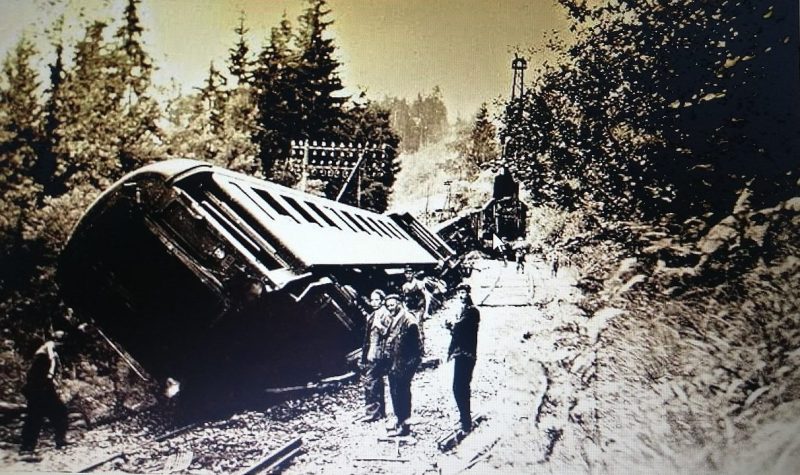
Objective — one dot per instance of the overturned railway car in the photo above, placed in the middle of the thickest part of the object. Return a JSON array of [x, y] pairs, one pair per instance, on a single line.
[[218, 279]]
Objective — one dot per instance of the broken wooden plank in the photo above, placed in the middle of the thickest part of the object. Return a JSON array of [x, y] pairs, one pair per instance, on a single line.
[[275, 459]]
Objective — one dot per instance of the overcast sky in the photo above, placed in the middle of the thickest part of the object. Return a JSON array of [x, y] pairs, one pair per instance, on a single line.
[[387, 47]]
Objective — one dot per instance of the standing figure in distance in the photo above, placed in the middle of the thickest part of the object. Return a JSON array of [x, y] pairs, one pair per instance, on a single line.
[[463, 350], [43, 399], [373, 358], [405, 350], [520, 250]]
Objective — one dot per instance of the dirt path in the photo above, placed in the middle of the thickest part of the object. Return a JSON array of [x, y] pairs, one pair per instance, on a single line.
[[510, 382]]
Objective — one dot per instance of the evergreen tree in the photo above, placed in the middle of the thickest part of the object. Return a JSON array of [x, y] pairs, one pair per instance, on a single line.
[[20, 119], [274, 80], [239, 62], [139, 112], [214, 96], [47, 159], [476, 146], [20, 124], [318, 82], [366, 122], [421, 123]]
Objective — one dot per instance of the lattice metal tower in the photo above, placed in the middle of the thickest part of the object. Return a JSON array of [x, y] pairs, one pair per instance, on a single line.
[[519, 65]]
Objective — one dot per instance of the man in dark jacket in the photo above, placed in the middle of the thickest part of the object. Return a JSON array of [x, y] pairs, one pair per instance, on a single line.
[[43, 399], [463, 350], [404, 348], [373, 358]]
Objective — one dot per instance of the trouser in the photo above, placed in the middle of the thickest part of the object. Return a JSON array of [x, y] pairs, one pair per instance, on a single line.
[[400, 390], [374, 392], [462, 378], [421, 317], [41, 404]]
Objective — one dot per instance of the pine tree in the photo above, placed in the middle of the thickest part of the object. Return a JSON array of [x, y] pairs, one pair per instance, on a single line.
[[214, 96], [21, 111], [139, 111], [366, 122], [318, 81], [274, 83], [47, 158], [239, 62]]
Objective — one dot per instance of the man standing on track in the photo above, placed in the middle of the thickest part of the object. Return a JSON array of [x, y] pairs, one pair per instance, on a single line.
[[373, 358], [404, 346], [42, 395], [463, 350]]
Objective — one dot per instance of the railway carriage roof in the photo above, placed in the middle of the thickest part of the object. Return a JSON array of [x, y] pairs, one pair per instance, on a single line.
[[316, 230]]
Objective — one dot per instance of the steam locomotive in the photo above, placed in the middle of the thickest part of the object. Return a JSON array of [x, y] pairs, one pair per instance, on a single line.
[[489, 228]]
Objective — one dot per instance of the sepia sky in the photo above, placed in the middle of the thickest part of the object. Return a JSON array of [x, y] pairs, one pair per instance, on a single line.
[[387, 47]]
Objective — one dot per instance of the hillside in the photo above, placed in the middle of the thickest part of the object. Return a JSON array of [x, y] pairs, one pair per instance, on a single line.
[[421, 184]]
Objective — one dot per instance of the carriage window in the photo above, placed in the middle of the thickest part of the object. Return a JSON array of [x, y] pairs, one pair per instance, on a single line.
[[354, 221], [322, 214], [394, 226], [305, 214], [256, 202], [343, 220], [372, 225], [274, 203], [386, 228]]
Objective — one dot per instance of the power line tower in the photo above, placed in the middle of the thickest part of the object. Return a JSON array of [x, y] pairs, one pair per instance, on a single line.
[[518, 65]]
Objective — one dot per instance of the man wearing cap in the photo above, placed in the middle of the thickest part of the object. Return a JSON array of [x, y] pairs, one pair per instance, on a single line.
[[463, 350], [43, 399], [373, 359], [404, 348]]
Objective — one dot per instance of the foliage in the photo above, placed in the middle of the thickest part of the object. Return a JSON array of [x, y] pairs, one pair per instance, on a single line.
[[421, 123], [661, 107], [476, 146], [239, 62], [276, 98], [317, 81]]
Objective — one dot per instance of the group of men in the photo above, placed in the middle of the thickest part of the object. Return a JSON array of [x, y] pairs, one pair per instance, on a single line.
[[393, 347]]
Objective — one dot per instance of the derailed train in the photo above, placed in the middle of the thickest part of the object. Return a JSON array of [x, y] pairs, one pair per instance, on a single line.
[[217, 279]]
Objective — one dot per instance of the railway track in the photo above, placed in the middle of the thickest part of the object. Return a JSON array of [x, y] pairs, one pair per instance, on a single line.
[[259, 440], [304, 429]]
